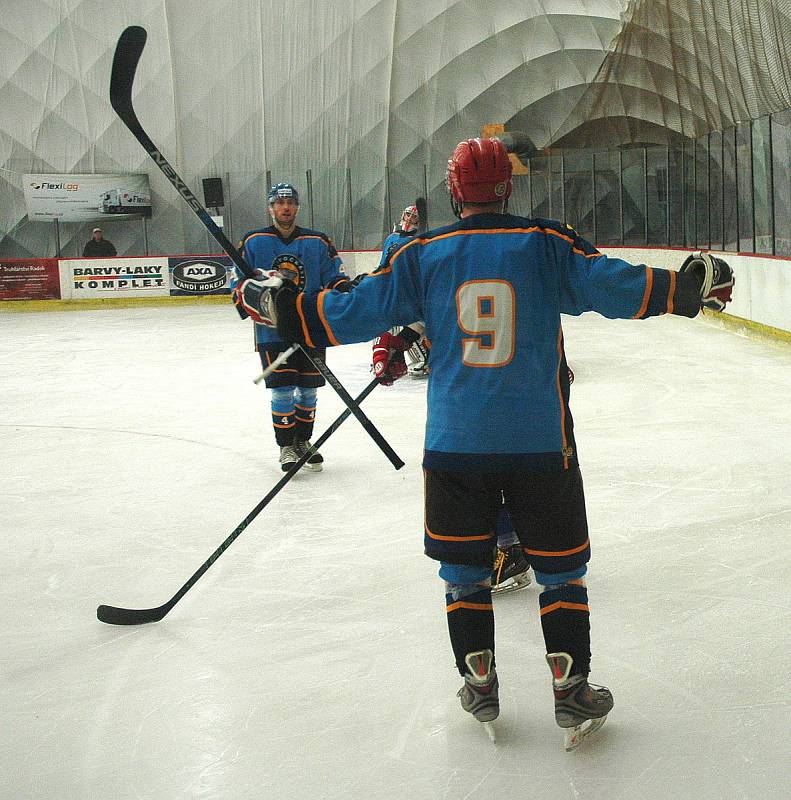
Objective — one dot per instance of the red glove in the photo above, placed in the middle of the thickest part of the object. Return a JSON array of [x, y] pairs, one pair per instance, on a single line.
[[388, 358]]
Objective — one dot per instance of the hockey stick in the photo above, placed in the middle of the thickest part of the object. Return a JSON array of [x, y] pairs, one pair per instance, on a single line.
[[127, 56], [113, 615], [422, 214], [283, 357]]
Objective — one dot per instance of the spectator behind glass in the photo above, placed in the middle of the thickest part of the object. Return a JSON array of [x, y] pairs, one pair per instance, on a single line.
[[97, 246]]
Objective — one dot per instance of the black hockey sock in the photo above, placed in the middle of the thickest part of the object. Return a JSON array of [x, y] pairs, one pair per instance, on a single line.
[[565, 621], [284, 428], [470, 624], [303, 428]]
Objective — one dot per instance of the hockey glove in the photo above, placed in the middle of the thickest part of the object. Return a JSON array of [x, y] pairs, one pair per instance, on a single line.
[[716, 279], [255, 297], [388, 358], [236, 296]]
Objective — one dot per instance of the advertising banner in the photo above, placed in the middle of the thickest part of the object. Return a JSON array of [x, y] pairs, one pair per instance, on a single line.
[[113, 277], [200, 275], [29, 279], [84, 198]]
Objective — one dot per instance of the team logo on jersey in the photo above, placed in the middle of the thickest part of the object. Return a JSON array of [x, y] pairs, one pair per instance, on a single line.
[[291, 265]]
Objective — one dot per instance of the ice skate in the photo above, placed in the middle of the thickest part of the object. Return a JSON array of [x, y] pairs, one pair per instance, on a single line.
[[315, 462], [288, 457], [580, 708], [510, 570], [480, 693]]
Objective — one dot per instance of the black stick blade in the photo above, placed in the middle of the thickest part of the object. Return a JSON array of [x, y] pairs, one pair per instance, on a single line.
[[127, 56], [422, 214], [130, 616]]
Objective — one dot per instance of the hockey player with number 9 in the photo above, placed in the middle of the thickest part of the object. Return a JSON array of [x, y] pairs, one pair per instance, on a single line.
[[491, 288]]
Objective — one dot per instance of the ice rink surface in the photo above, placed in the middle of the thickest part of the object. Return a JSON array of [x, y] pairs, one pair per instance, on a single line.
[[311, 661]]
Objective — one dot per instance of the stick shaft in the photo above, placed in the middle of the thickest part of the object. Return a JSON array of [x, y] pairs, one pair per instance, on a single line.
[[284, 356], [127, 56], [113, 615]]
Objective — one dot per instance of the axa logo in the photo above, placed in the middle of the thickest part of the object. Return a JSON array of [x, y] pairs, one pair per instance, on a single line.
[[199, 276]]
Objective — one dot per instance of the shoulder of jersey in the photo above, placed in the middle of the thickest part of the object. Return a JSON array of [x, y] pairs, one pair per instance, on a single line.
[[311, 232], [269, 229], [555, 225]]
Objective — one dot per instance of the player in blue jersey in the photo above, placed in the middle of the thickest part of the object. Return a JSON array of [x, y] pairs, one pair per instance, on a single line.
[[418, 349], [402, 233], [491, 288], [313, 262]]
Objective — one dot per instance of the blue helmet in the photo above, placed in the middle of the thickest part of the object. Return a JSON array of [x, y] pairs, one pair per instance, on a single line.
[[282, 190]]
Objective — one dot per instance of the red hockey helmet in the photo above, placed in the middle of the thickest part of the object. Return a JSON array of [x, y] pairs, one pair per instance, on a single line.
[[479, 171]]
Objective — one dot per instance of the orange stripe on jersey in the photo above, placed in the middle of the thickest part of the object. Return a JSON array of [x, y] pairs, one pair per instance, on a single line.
[[470, 606], [305, 331], [440, 538], [253, 235], [269, 361], [323, 318], [649, 284], [550, 553], [560, 399], [533, 229], [563, 604], [671, 294], [386, 270]]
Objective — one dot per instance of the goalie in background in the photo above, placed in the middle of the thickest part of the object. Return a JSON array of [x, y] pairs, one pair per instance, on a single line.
[[418, 350], [403, 231]]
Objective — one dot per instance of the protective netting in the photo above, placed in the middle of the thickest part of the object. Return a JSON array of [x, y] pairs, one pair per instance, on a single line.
[[682, 68], [360, 104]]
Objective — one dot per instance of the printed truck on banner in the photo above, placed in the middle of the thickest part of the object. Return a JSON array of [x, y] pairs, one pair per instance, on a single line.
[[123, 201], [129, 277]]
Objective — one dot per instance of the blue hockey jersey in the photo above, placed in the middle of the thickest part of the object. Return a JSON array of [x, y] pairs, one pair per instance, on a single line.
[[491, 289], [310, 255], [393, 242]]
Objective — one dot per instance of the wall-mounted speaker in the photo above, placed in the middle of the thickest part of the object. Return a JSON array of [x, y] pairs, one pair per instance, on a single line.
[[212, 192]]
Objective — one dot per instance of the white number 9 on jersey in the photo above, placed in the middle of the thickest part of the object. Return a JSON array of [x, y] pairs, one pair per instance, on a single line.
[[486, 309]]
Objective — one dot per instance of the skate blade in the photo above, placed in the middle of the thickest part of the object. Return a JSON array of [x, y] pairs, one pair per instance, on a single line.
[[313, 467], [575, 735], [491, 732], [512, 587]]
